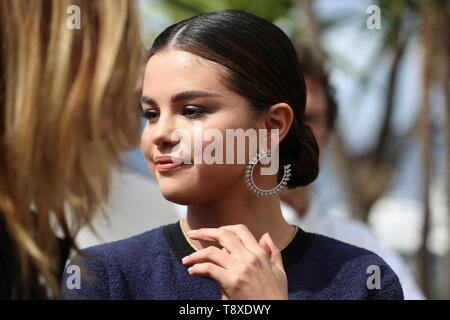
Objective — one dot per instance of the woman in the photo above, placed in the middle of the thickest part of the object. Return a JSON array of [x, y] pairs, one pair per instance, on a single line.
[[67, 97], [214, 73]]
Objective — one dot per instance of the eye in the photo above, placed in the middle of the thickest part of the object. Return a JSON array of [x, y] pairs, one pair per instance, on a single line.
[[194, 112], [150, 115]]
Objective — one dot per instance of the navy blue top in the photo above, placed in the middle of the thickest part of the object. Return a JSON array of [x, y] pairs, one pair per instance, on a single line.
[[148, 266]]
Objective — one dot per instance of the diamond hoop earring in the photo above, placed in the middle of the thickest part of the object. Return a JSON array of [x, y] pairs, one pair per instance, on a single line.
[[250, 183]]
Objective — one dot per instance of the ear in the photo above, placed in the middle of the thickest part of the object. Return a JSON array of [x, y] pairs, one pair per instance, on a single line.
[[279, 116]]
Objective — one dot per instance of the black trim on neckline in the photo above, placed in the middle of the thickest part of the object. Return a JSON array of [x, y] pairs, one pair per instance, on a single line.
[[177, 241], [291, 254], [297, 248]]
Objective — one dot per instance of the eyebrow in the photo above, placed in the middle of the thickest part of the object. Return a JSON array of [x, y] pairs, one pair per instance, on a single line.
[[181, 96]]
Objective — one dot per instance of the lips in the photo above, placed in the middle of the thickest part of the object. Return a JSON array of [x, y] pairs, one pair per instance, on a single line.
[[166, 163]]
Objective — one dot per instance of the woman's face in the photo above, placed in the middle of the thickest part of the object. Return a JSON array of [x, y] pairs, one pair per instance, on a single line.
[[182, 91]]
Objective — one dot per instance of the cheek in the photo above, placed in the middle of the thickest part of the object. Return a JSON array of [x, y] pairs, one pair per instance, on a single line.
[[316, 129], [203, 182], [147, 149], [220, 174], [321, 135], [212, 180]]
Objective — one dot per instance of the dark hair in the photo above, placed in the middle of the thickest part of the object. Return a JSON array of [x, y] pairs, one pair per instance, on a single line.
[[314, 68], [263, 68]]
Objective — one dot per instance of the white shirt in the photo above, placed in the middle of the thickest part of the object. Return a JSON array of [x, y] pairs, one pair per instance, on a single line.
[[354, 232]]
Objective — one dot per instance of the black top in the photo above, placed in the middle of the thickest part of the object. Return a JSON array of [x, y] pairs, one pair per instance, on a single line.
[[10, 273], [149, 266]]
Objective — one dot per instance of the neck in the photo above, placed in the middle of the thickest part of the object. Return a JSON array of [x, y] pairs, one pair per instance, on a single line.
[[298, 199], [258, 214]]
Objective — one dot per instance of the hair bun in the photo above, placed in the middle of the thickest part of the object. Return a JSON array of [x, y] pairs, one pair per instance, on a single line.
[[304, 159]]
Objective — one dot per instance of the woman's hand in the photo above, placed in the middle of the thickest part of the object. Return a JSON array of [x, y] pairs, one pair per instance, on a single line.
[[244, 268]]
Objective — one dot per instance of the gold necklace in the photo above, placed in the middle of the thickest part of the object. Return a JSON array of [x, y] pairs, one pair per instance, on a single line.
[[290, 239], [186, 237], [193, 247]]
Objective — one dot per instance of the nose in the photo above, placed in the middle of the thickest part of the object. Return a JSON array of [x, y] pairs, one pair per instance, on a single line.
[[161, 131]]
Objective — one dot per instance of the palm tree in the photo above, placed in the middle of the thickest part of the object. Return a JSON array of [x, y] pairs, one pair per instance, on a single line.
[[433, 33], [423, 128], [269, 9]]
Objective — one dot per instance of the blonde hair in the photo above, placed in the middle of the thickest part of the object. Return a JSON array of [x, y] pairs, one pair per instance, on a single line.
[[58, 88]]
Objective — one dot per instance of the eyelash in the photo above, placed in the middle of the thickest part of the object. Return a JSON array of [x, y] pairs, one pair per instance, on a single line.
[[197, 113], [148, 114]]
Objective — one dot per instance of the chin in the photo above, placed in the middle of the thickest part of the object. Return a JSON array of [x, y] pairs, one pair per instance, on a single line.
[[179, 194], [185, 193], [176, 198]]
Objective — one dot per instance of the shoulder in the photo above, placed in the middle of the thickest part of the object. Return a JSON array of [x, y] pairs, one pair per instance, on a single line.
[[128, 249], [130, 245], [336, 254], [345, 271], [104, 266]]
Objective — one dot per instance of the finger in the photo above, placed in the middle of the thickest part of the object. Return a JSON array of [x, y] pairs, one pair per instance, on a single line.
[[226, 239], [222, 276], [263, 244], [224, 294], [210, 254], [245, 236], [266, 242]]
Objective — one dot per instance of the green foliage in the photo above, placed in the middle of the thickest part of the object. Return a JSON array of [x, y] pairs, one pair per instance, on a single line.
[[268, 9]]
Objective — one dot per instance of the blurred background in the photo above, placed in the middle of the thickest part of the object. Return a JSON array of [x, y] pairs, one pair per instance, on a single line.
[[387, 162]]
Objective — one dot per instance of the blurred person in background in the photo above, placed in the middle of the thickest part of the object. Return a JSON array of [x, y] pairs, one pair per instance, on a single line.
[[301, 207], [67, 112]]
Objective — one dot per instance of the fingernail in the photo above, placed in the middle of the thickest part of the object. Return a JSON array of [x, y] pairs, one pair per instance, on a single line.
[[191, 232], [184, 259], [189, 269]]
